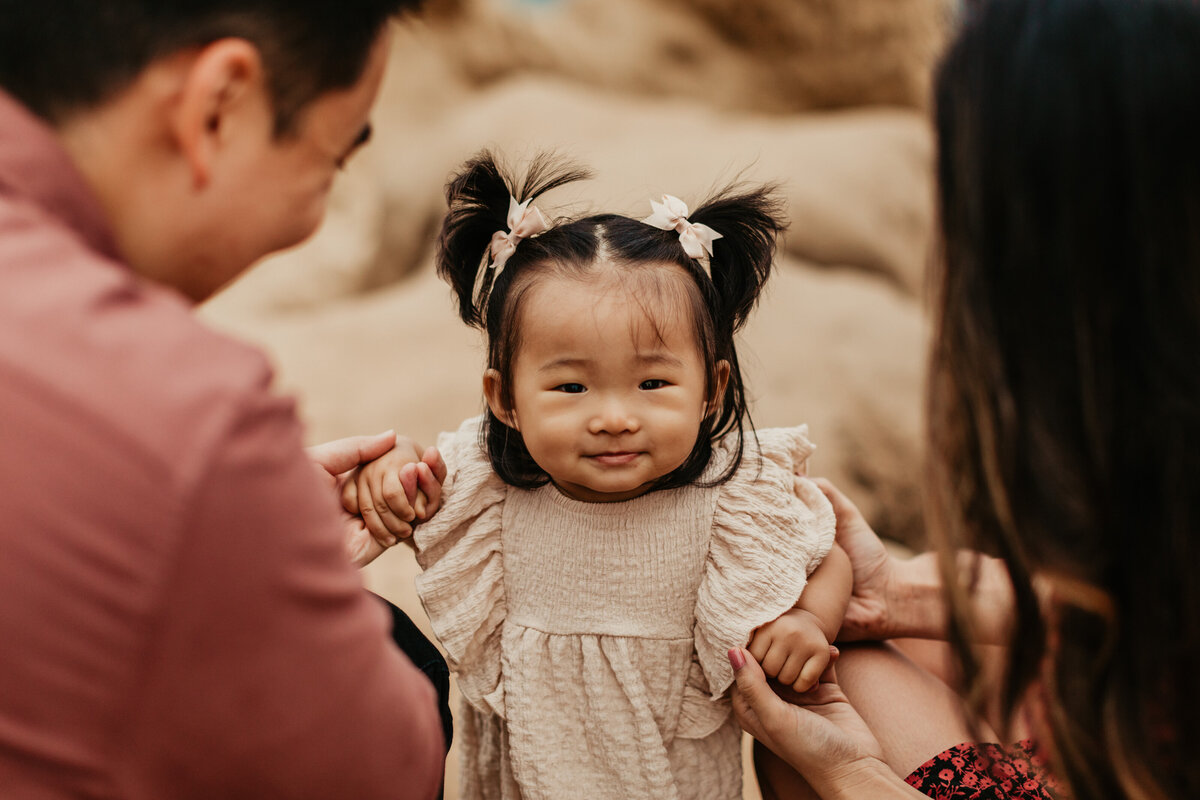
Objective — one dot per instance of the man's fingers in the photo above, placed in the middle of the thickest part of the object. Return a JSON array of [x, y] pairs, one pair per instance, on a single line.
[[350, 496], [344, 454]]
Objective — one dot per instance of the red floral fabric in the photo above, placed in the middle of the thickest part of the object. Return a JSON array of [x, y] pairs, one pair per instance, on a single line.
[[985, 772]]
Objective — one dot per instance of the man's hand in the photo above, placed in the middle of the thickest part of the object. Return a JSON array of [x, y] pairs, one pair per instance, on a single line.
[[336, 460], [792, 649], [343, 455], [395, 491]]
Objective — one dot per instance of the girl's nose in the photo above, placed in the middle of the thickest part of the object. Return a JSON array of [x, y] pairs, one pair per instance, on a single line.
[[613, 417]]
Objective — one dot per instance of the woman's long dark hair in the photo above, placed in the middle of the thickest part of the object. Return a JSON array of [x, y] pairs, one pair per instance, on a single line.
[[1064, 394], [719, 300]]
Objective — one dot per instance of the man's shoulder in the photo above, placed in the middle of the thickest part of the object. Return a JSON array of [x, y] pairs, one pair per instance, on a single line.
[[85, 338]]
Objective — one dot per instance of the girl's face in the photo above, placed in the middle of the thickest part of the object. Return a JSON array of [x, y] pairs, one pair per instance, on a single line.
[[606, 400]]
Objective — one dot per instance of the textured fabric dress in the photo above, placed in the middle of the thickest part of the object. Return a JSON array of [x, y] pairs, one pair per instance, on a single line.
[[590, 639]]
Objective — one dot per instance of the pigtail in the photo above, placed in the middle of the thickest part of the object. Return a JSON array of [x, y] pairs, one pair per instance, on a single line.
[[478, 198], [749, 223]]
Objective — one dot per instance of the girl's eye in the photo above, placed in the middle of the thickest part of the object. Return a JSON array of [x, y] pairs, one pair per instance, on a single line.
[[570, 388], [653, 383]]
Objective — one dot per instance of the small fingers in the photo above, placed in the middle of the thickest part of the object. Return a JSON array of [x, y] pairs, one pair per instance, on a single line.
[[408, 477], [437, 465], [431, 487], [760, 643], [789, 673], [395, 495], [830, 675], [810, 675], [775, 659], [372, 513]]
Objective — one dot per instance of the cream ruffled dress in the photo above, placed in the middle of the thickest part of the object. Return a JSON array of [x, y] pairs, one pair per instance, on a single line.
[[590, 639]]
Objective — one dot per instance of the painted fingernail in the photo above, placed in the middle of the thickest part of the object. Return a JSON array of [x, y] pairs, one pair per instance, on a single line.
[[737, 659]]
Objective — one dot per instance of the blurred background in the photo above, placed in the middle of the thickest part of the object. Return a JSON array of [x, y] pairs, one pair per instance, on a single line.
[[829, 98]]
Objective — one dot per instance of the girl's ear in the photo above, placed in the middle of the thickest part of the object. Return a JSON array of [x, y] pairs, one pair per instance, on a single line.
[[493, 393], [713, 403]]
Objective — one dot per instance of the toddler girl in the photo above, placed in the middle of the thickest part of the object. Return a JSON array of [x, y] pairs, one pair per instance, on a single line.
[[606, 535]]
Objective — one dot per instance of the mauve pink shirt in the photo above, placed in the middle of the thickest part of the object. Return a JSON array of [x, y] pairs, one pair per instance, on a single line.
[[177, 616]]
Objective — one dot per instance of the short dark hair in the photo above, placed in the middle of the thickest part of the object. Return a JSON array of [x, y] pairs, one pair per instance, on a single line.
[[749, 221], [60, 57], [1065, 380]]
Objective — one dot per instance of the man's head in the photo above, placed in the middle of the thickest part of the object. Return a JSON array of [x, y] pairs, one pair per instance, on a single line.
[[66, 56], [209, 130]]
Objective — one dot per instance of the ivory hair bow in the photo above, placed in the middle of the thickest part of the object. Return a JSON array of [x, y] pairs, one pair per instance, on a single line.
[[524, 221], [697, 239]]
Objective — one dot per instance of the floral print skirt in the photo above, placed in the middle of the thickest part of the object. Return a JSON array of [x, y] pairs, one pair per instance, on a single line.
[[985, 772]]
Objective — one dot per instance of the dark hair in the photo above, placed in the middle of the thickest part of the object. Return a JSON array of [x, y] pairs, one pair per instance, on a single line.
[[64, 56], [749, 222], [1064, 396]]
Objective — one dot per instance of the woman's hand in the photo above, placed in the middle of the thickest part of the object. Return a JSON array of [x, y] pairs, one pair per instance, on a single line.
[[869, 615], [818, 733]]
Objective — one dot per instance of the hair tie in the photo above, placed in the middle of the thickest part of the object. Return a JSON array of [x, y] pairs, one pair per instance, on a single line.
[[524, 221], [697, 239]]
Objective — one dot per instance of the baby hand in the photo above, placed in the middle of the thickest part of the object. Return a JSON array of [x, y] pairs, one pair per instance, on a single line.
[[792, 649], [395, 492]]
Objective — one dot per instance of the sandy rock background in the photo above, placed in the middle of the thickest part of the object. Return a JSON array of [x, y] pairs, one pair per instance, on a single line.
[[826, 97]]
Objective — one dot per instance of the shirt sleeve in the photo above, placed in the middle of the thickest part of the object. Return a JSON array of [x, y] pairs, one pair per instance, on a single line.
[[271, 673], [767, 539], [462, 586]]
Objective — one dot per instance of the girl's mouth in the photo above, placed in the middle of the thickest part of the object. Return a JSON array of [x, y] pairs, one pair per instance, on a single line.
[[615, 459]]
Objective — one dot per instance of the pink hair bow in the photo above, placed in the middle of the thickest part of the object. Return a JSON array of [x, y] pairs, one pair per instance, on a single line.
[[697, 239], [524, 221]]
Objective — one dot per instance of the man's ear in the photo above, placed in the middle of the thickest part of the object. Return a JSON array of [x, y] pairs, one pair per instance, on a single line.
[[492, 392], [220, 89], [718, 392]]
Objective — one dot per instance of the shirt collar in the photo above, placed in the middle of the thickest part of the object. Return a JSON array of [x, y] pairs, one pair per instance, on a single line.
[[35, 167]]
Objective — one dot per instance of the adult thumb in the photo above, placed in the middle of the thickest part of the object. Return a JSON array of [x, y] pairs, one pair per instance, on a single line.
[[344, 454], [752, 685]]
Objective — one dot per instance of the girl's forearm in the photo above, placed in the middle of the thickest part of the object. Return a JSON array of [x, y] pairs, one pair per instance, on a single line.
[[828, 591]]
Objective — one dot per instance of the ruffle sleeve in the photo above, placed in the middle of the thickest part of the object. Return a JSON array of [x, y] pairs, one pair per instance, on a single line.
[[770, 531], [462, 586]]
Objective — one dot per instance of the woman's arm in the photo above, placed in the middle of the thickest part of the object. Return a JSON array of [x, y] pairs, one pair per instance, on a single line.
[[819, 734], [895, 598]]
